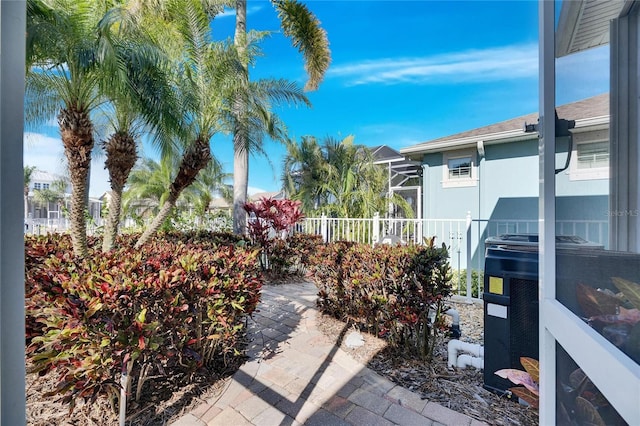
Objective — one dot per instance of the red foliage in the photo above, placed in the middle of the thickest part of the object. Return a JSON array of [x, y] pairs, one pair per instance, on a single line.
[[170, 306], [270, 225], [391, 290]]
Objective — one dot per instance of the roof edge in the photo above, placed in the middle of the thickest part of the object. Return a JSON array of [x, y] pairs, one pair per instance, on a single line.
[[582, 125]]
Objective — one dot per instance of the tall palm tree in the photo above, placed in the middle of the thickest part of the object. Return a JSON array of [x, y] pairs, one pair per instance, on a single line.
[[63, 59], [205, 69], [28, 173], [304, 30]]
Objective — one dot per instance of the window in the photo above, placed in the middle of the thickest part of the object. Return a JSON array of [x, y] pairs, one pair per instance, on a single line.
[[45, 186], [593, 155], [458, 169], [37, 186], [590, 158]]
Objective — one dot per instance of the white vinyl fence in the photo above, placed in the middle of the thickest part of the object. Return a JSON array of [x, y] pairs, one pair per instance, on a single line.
[[57, 225]]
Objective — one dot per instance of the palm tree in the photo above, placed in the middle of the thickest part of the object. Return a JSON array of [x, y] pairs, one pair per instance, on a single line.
[[148, 186], [142, 102], [205, 69], [210, 181], [337, 177], [63, 58], [28, 172], [304, 173], [304, 30], [149, 183]]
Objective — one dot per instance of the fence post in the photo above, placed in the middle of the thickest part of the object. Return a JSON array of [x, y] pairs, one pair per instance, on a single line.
[[469, 275], [375, 238], [323, 228]]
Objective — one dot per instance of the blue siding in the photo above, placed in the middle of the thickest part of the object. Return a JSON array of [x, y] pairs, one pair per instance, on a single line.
[[507, 189]]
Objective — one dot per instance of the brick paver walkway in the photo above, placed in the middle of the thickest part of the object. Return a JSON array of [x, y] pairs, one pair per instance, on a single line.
[[296, 375]]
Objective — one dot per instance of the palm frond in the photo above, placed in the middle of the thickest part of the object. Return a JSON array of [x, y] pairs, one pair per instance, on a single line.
[[306, 34]]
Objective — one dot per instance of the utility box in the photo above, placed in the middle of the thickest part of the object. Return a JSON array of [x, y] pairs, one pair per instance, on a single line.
[[511, 302]]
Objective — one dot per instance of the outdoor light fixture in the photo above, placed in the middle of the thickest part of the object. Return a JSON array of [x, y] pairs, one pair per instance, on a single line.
[[419, 171]]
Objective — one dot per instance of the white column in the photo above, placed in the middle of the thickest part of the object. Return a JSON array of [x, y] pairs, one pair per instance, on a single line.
[[376, 228], [624, 223], [12, 60], [547, 211]]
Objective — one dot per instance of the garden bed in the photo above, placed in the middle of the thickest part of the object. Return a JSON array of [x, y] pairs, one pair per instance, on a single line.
[[458, 389]]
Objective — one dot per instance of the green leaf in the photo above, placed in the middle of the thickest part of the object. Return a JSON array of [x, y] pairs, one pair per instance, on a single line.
[[142, 316]]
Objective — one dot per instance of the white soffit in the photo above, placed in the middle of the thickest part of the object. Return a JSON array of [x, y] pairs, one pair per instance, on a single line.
[[584, 24]]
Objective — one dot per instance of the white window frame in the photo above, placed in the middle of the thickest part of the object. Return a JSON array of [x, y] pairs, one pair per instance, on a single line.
[[37, 186], [576, 173], [447, 181]]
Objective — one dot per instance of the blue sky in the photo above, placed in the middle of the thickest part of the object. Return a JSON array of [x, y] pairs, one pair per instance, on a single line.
[[401, 73]]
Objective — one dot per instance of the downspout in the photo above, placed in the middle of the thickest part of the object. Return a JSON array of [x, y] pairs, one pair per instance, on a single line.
[[481, 153]]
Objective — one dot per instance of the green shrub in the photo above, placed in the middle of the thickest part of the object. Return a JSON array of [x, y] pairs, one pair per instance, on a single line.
[[398, 292], [172, 306], [477, 282]]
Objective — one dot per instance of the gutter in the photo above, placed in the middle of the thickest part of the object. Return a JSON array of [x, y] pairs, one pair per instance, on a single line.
[[582, 125]]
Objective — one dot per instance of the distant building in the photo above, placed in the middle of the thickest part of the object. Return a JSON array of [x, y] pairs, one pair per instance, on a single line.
[[49, 198]]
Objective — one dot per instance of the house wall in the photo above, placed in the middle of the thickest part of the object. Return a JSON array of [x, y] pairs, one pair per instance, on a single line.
[[506, 189]]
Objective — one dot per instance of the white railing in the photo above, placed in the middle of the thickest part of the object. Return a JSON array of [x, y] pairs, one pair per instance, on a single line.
[[58, 225]]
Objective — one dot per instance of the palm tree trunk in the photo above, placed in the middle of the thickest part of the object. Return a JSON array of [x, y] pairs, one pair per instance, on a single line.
[[113, 220], [240, 137], [163, 214], [195, 159], [122, 154], [240, 183], [76, 131]]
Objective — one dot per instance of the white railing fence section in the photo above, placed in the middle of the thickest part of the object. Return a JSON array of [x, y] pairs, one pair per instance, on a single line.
[[44, 226]]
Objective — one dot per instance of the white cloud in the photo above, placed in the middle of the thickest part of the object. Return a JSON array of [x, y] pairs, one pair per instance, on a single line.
[[500, 63], [47, 154], [252, 190], [232, 12]]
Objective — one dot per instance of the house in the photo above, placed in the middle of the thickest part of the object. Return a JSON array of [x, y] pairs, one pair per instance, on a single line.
[[48, 200], [51, 206], [492, 171]]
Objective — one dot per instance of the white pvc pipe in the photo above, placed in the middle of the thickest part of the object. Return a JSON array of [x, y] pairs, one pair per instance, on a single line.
[[465, 360], [455, 346], [124, 384], [455, 316]]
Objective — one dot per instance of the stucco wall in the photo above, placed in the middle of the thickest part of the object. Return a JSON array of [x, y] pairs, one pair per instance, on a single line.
[[506, 189]]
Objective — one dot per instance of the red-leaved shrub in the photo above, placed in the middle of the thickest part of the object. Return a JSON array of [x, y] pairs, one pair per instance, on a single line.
[[171, 306], [397, 292]]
